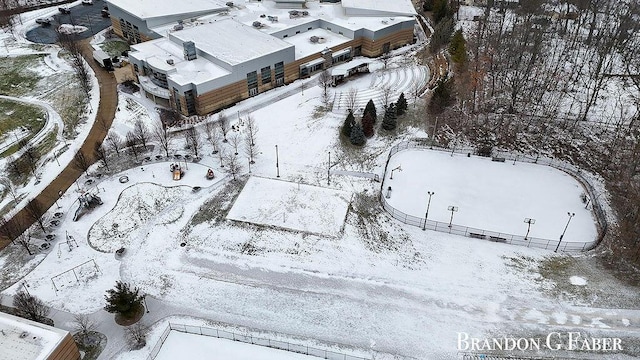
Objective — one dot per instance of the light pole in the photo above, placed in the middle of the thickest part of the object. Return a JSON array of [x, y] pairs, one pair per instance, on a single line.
[[452, 209], [529, 222], [571, 215], [426, 215], [329, 169], [399, 168], [277, 163]]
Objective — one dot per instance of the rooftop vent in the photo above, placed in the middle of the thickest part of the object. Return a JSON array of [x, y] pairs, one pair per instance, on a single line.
[[230, 4], [257, 24], [314, 39], [170, 61], [272, 18], [178, 27], [189, 50]]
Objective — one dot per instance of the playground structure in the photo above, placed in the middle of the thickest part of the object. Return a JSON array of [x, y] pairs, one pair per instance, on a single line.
[[177, 171], [87, 202], [210, 174]]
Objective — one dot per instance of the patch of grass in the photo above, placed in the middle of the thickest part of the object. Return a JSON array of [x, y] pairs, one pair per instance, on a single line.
[[115, 48], [16, 115], [17, 77], [72, 107]]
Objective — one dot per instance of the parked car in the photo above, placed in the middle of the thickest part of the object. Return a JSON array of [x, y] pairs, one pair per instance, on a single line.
[[64, 9], [87, 2], [44, 21]]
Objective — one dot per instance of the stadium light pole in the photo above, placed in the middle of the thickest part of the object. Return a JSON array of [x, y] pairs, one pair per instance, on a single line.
[[529, 222], [399, 168], [329, 170], [277, 163], [452, 209], [571, 215], [426, 215]]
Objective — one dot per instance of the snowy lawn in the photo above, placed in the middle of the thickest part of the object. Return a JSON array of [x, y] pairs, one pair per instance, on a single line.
[[181, 345], [292, 206], [490, 195]]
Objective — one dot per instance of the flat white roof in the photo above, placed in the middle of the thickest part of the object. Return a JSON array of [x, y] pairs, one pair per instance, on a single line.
[[22, 339], [391, 7], [304, 46], [145, 9], [157, 52], [230, 41]]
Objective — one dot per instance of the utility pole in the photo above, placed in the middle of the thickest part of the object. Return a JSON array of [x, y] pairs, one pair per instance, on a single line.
[[571, 215], [430, 193], [277, 163]]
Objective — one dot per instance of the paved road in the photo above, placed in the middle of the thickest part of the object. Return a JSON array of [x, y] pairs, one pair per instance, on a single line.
[[106, 111]]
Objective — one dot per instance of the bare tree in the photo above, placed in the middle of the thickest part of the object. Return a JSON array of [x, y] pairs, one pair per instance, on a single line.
[[233, 165], [252, 129], [163, 137], [235, 140], [223, 122], [386, 95], [193, 140], [325, 80], [11, 229], [142, 133], [83, 325], [213, 136], [114, 141], [31, 155], [30, 306], [102, 154], [35, 210], [81, 162], [81, 69], [132, 143], [10, 187], [222, 154], [352, 99], [137, 336], [386, 59]]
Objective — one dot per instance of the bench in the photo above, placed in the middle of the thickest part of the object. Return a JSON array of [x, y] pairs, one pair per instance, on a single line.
[[498, 159], [477, 236], [497, 239]]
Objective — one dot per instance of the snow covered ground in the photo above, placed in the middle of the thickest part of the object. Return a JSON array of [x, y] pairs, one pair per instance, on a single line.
[[495, 196], [291, 206], [181, 345], [379, 288]]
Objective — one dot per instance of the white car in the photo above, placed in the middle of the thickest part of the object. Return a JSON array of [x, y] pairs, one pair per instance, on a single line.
[[87, 2]]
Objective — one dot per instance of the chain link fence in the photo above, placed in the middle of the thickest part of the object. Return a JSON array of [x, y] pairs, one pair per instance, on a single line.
[[512, 239], [249, 339]]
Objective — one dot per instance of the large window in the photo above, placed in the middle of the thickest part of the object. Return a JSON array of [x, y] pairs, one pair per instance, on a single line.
[[279, 72], [130, 32], [252, 83], [266, 75]]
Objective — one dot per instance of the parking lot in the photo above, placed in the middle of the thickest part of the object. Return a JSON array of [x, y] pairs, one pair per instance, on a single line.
[[88, 16]]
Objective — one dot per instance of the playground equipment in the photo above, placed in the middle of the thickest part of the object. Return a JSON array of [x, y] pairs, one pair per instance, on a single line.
[[210, 175], [177, 171], [87, 201]]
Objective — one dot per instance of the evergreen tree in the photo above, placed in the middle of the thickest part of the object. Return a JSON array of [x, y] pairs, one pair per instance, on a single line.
[[389, 122], [427, 5], [441, 10], [457, 48], [367, 124], [371, 109], [123, 301], [348, 124], [357, 135], [401, 105], [442, 97]]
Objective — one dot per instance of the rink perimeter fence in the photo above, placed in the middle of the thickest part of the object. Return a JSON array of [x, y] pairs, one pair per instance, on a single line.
[[482, 234], [248, 339]]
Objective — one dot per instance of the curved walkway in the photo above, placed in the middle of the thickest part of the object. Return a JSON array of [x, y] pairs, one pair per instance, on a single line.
[[106, 111]]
